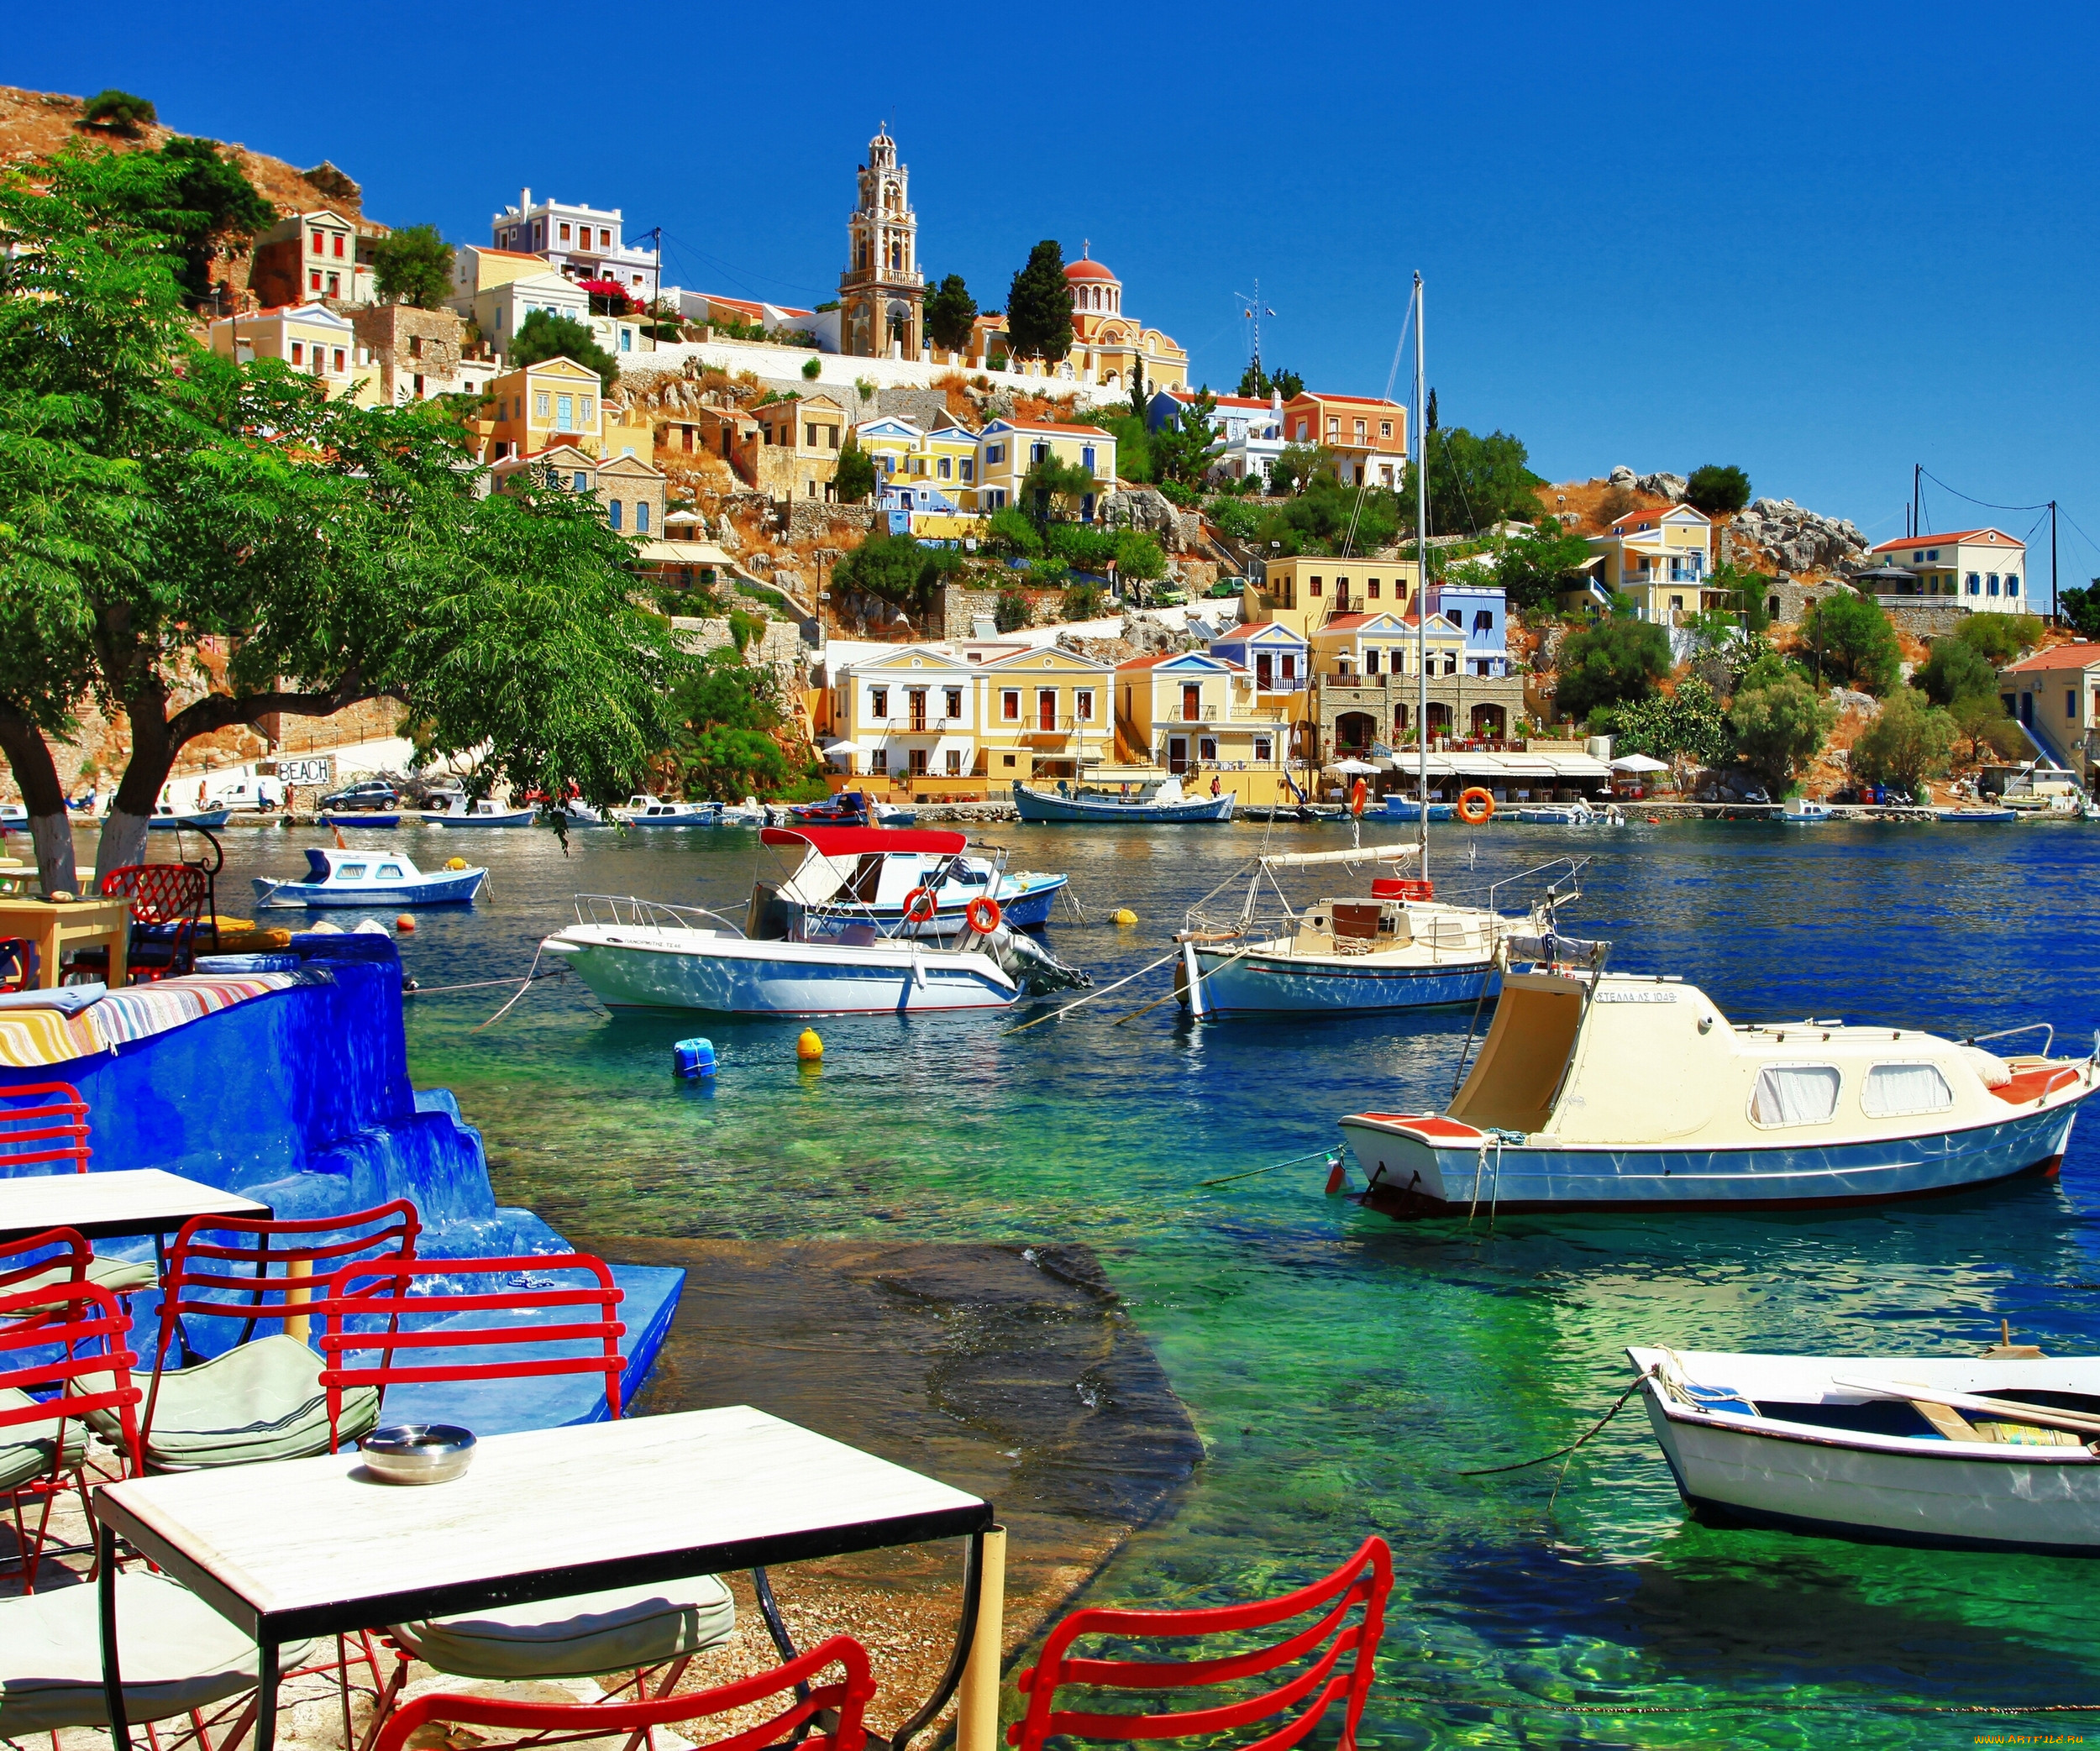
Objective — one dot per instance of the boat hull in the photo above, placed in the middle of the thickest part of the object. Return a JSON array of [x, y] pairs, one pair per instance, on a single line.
[[512, 818], [1397, 809], [1038, 806], [1441, 1178], [732, 975], [448, 890], [206, 818], [1267, 985], [358, 820]]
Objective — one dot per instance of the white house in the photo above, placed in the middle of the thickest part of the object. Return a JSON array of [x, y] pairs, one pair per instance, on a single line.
[[1979, 569], [1252, 429], [579, 243]]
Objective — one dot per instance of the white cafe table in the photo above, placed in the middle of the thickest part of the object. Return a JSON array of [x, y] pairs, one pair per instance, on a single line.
[[132, 1201], [313, 1547]]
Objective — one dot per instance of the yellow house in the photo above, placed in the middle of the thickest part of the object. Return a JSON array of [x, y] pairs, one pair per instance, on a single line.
[[1661, 559], [1048, 710], [312, 339], [556, 401], [944, 460], [1007, 449], [910, 713], [1201, 717], [1372, 644], [1305, 590]]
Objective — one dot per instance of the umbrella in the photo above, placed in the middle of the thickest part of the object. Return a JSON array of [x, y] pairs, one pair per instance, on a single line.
[[1355, 768], [845, 750], [1640, 762]]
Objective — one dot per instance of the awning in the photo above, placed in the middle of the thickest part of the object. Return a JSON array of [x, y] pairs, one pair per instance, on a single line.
[[852, 841], [1578, 766], [685, 553]]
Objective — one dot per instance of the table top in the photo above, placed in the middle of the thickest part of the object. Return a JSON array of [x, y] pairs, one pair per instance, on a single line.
[[136, 1201], [310, 1547], [22, 906]]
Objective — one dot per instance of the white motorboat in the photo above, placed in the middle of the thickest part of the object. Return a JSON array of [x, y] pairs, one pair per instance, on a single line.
[[650, 811], [921, 885], [1597, 1090], [2000, 1452], [369, 878], [479, 812], [797, 960], [1805, 811]]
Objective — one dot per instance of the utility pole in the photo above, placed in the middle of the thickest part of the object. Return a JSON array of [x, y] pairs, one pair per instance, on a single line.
[[2052, 559], [1917, 488]]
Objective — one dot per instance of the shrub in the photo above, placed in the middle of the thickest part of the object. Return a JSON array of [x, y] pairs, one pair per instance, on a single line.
[[894, 567], [1848, 636], [1688, 722], [2002, 638], [1616, 502], [1081, 545], [1013, 530], [1235, 518], [1616, 660], [1139, 556], [812, 369], [1778, 722], [1012, 612], [1082, 598], [543, 336], [854, 478], [2080, 606], [1954, 670], [119, 112], [1715, 489], [1176, 493], [1910, 741]]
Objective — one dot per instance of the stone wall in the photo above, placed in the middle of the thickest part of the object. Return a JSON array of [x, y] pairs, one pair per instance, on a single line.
[[409, 343], [779, 647], [814, 520], [957, 606]]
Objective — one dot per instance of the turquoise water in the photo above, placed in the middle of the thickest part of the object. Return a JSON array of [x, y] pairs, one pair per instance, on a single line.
[[1341, 1369]]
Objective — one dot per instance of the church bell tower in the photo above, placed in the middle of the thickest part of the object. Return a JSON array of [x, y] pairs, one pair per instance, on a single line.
[[882, 293]]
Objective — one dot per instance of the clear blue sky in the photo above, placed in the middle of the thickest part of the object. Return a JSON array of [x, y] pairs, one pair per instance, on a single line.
[[1823, 241]]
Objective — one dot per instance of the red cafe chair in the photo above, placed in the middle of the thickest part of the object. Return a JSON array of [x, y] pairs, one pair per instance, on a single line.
[[44, 1125], [18, 964], [1334, 1654]]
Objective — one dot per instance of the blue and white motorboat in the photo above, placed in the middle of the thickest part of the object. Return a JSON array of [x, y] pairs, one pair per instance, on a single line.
[[367, 878], [1597, 1090], [480, 812], [1805, 811], [1157, 801], [651, 811], [894, 815], [1406, 808], [918, 883]]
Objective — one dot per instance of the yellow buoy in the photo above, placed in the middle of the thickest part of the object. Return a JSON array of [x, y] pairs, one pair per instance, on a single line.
[[1123, 914], [809, 1048], [455, 864]]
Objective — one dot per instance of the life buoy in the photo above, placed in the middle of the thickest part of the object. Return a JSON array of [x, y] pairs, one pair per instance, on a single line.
[[1476, 806], [1357, 796], [919, 906], [982, 914]]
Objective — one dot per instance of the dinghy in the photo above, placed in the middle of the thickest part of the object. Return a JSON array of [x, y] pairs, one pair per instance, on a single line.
[[1997, 1453], [1151, 801]]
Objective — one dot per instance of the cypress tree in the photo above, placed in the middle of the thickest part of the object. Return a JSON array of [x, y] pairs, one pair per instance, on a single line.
[[1039, 306]]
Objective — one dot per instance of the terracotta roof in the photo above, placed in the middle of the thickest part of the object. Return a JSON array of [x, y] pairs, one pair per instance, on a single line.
[[1344, 622], [1986, 535], [1086, 269], [1144, 662], [2084, 654], [1053, 426], [1314, 394]]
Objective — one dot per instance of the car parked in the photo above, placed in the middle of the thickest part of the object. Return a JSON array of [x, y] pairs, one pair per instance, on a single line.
[[368, 795]]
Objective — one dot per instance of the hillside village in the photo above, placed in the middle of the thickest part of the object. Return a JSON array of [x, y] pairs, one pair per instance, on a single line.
[[970, 548]]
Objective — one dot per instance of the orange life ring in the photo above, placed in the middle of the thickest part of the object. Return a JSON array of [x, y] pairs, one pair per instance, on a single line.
[[1476, 806], [919, 906], [982, 914], [1358, 794]]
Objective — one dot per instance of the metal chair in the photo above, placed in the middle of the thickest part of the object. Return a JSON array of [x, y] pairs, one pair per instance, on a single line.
[[1337, 1654], [837, 1710], [46, 1123], [18, 964], [167, 910], [467, 1320]]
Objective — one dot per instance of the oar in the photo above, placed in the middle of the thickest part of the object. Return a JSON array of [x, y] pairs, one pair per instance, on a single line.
[[2009, 1409]]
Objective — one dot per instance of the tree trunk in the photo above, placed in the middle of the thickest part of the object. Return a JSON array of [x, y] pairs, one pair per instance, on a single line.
[[153, 750], [51, 828]]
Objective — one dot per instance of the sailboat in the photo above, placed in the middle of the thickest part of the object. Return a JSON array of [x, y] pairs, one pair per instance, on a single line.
[[1397, 947]]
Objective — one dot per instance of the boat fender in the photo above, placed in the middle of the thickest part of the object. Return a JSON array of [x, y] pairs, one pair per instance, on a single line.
[[455, 863], [982, 914], [1476, 807], [1124, 916], [920, 905], [693, 1057]]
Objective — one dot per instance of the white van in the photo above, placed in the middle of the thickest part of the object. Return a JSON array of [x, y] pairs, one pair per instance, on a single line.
[[202, 792]]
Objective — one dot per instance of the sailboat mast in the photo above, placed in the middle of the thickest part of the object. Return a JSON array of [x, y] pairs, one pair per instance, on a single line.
[[1421, 593]]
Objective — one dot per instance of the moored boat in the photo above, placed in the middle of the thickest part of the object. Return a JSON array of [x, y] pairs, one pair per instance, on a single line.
[[921, 883], [650, 811], [1995, 1453], [1597, 1090], [1158, 802], [358, 818], [1805, 811], [367, 878], [480, 812], [169, 819]]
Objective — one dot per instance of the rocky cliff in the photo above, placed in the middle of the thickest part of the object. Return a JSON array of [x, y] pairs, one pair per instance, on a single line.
[[1777, 535]]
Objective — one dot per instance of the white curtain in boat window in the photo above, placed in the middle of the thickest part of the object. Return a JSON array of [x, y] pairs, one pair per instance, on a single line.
[[1894, 1090], [1794, 1095]]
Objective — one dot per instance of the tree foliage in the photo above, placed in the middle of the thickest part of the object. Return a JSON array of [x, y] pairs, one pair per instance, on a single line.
[[195, 199], [1053, 488], [2080, 606], [1614, 661], [1133, 439], [1955, 669], [854, 478], [119, 112], [1688, 723], [1744, 595], [1186, 445], [1847, 638], [543, 336], [951, 315], [1039, 306], [1717, 488], [1981, 720], [1012, 611], [1910, 743], [1475, 483], [1534, 568], [1255, 381], [1299, 466], [413, 265], [1778, 721], [724, 714], [2001, 638], [894, 567]]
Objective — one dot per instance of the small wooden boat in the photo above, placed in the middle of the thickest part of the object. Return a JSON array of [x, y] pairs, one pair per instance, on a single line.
[[2000, 1452], [358, 818], [1598, 1090], [169, 820], [367, 878], [1974, 817], [481, 812], [1157, 801]]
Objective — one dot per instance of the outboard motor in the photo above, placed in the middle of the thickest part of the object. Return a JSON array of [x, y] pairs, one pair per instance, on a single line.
[[1030, 964]]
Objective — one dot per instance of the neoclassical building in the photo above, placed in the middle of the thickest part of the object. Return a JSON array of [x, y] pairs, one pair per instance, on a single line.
[[882, 293], [1105, 343]]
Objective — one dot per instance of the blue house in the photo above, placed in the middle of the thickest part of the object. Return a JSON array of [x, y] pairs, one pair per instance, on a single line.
[[1482, 612], [1274, 655]]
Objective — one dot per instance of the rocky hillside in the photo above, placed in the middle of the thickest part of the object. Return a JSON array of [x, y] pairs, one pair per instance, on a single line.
[[1769, 536]]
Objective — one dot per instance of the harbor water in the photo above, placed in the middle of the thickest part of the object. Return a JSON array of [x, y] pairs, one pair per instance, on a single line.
[[1344, 1371]]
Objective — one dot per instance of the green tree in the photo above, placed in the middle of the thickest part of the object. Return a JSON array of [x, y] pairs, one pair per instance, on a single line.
[[1299, 466], [1012, 611], [1717, 488], [542, 336], [200, 202], [951, 315], [1082, 598], [1778, 722], [2002, 638], [119, 112], [1039, 306], [1955, 669], [2080, 606], [725, 714], [1744, 595], [1616, 660], [894, 567], [1139, 557], [854, 478], [173, 503], [1011, 530], [1475, 483], [1687, 723], [1535, 568], [1052, 487], [1185, 445], [1982, 719], [1254, 380], [1133, 444], [1910, 743], [413, 265], [1847, 638]]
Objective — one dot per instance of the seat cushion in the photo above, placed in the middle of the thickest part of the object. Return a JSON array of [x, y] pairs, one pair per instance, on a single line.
[[581, 1637], [260, 1401], [176, 1653], [25, 1448], [120, 1276]]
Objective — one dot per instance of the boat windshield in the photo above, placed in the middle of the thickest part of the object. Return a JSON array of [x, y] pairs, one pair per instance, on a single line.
[[1519, 1071]]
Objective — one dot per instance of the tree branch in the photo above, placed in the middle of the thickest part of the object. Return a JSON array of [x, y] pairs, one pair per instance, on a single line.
[[223, 710]]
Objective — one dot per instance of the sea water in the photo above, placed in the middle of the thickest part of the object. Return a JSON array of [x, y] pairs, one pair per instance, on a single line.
[[1343, 1370]]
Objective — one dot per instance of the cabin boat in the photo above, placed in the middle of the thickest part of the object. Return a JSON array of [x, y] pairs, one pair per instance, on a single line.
[[1614, 1091], [1992, 1453], [796, 959], [1152, 800], [649, 811], [480, 812], [367, 878], [860, 871], [1805, 811]]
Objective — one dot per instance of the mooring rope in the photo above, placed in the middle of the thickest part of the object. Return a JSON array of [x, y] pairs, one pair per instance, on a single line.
[[552, 972], [1328, 1156], [524, 985], [1525, 1464], [1720, 1704]]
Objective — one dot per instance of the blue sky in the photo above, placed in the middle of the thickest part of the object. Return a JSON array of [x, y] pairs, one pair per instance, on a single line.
[[1821, 242]]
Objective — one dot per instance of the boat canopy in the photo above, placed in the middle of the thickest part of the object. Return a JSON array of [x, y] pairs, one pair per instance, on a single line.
[[1353, 854], [854, 841]]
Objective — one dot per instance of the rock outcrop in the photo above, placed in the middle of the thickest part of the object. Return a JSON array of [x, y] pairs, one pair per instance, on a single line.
[[1622, 476], [1147, 508], [1793, 539], [1663, 486]]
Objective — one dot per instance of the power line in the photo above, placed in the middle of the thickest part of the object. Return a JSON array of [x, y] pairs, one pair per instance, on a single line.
[[1986, 504]]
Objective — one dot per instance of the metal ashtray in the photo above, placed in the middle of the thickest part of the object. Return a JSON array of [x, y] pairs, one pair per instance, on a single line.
[[419, 1452]]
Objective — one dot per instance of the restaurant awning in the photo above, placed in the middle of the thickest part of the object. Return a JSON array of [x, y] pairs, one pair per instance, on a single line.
[[685, 553]]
